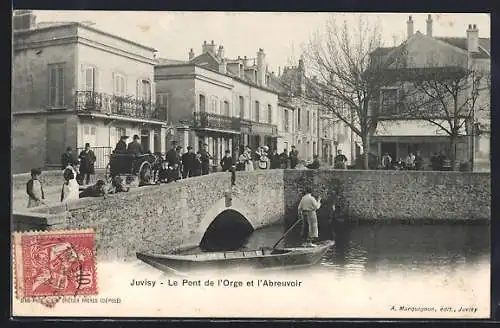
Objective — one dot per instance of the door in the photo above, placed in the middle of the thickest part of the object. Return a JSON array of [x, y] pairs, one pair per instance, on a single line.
[[389, 147], [145, 140], [56, 141]]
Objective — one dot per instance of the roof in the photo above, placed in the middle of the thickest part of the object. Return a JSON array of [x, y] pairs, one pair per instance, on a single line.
[[50, 25], [484, 45], [166, 61]]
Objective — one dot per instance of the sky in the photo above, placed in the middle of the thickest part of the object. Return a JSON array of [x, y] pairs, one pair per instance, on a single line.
[[281, 35]]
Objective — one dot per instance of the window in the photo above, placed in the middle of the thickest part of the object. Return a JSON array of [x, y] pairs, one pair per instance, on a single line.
[[89, 78], [389, 99], [56, 85], [227, 111], [308, 121], [145, 91], [120, 132], [269, 114], [257, 111], [162, 106], [202, 103], [119, 85], [298, 118], [285, 121], [314, 123], [213, 105], [242, 107]]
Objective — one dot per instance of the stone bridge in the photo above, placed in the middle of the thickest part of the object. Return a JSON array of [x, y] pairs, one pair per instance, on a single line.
[[202, 211], [208, 212]]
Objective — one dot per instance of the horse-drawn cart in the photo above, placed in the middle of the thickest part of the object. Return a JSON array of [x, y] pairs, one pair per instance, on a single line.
[[131, 166]]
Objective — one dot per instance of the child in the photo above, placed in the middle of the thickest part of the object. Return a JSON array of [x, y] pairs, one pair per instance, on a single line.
[[70, 188], [34, 189]]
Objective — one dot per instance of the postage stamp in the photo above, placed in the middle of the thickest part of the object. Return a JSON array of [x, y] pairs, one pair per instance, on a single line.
[[54, 263]]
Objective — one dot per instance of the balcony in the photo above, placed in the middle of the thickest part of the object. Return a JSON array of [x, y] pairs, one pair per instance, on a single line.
[[258, 128], [203, 120], [117, 105]]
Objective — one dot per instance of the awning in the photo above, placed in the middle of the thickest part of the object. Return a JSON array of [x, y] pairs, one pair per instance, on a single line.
[[412, 128]]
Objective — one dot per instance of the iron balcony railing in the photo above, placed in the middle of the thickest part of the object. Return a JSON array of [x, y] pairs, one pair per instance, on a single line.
[[203, 120], [119, 105]]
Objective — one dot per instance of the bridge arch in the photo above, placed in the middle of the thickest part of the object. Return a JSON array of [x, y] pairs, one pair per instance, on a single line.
[[225, 227]]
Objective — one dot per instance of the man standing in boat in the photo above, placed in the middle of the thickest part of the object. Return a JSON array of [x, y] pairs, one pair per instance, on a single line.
[[307, 212]]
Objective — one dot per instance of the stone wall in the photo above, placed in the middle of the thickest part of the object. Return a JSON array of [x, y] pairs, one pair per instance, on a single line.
[[393, 195], [168, 216]]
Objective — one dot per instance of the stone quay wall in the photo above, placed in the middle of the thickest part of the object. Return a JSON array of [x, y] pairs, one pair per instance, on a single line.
[[168, 216], [393, 195]]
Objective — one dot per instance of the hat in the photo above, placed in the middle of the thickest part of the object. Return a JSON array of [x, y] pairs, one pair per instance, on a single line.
[[136, 137], [124, 137], [178, 147], [87, 144], [174, 142], [36, 171], [266, 148], [189, 147]]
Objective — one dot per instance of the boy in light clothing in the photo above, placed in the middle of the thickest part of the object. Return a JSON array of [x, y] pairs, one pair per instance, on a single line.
[[307, 210]]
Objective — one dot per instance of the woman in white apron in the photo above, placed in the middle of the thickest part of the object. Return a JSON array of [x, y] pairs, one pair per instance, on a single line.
[[71, 188]]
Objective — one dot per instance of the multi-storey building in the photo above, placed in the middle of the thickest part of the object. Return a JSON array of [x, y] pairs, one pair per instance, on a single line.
[[74, 84], [399, 133], [315, 130], [219, 101]]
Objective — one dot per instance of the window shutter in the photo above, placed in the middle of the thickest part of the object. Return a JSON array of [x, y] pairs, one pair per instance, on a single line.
[[52, 86], [138, 89], [60, 86], [113, 77], [153, 90], [96, 80]]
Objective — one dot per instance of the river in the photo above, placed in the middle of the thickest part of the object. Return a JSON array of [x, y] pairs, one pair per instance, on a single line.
[[375, 248]]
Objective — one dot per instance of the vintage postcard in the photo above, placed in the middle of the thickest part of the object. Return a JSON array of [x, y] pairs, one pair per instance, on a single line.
[[251, 165]]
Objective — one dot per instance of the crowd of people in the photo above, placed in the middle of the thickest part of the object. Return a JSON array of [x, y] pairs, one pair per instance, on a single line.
[[175, 165], [415, 161]]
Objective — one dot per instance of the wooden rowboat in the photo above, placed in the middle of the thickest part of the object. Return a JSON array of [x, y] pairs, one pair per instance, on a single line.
[[264, 258]]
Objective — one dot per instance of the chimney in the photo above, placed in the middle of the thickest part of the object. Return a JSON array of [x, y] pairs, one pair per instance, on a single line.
[[429, 25], [473, 38], [211, 47], [191, 54], [245, 61], [261, 67], [223, 66], [24, 20], [220, 52], [301, 63], [204, 47], [409, 27]]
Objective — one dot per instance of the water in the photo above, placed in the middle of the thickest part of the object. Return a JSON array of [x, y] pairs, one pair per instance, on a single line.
[[404, 248]]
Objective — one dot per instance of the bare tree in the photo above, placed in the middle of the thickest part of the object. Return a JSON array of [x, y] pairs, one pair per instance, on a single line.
[[451, 98], [348, 66]]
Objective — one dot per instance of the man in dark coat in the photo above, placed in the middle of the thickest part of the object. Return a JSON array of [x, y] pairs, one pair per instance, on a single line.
[[188, 161], [284, 159], [227, 161], [121, 146], [205, 160], [135, 146], [294, 157], [275, 159], [173, 160], [87, 160], [67, 158]]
